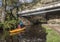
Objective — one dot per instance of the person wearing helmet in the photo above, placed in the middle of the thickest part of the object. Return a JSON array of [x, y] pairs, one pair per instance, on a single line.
[[20, 25]]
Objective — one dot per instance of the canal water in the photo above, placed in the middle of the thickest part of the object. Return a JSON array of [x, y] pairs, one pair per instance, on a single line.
[[33, 33]]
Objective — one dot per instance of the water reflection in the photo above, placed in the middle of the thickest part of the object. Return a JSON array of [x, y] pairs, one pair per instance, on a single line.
[[34, 33]]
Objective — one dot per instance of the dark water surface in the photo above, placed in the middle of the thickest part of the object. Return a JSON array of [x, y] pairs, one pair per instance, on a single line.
[[33, 33]]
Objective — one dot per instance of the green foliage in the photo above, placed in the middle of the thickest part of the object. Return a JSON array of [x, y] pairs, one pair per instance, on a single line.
[[10, 20], [52, 36], [1, 24], [9, 24], [11, 2]]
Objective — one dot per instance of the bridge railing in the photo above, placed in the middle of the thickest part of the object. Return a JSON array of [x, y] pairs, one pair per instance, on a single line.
[[45, 9]]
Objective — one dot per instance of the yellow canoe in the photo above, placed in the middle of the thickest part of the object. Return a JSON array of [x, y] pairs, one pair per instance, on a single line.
[[12, 34], [16, 31]]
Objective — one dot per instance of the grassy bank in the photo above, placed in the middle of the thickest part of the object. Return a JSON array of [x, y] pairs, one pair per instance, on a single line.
[[52, 35]]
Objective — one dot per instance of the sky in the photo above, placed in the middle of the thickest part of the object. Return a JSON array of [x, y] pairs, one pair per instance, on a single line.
[[25, 1], [0, 3]]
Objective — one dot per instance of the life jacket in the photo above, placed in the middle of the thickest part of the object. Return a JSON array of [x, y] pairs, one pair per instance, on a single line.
[[21, 23]]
